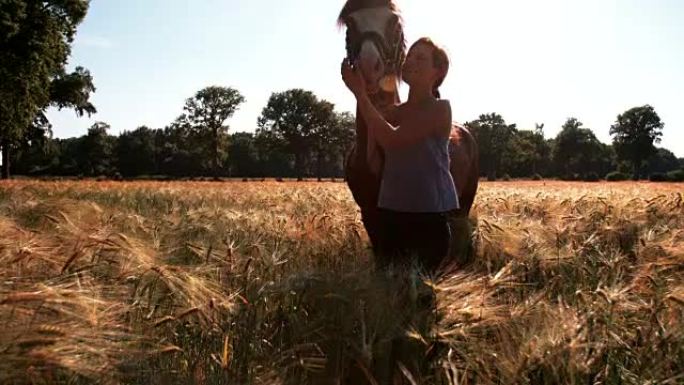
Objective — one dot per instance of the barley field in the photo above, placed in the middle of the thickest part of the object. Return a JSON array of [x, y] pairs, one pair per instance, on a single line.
[[273, 283]]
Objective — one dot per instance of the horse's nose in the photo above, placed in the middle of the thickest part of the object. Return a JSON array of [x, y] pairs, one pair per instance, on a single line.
[[371, 67]]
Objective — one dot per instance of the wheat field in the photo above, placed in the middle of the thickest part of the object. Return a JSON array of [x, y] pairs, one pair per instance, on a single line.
[[273, 283]]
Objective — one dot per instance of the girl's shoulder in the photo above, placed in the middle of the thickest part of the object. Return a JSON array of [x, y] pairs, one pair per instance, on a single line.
[[437, 103], [439, 109], [443, 103], [437, 113]]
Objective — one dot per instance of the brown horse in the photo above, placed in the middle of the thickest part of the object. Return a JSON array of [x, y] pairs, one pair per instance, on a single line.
[[375, 40]]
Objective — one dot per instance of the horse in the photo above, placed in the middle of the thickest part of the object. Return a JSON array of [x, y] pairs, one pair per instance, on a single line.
[[375, 40]]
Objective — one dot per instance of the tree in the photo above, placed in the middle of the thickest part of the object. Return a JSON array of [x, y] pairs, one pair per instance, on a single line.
[[35, 151], [542, 158], [205, 115], [96, 155], [526, 153], [323, 136], [343, 137], [296, 117], [243, 159], [577, 152], [177, 155], [493, 135], [663, 161], [273, 156], [69, 155], [136, 152], [35, 39], [73, 91], [635, 133]]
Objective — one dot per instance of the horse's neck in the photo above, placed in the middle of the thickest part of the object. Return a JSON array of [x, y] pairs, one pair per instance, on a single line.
[[381, 100]]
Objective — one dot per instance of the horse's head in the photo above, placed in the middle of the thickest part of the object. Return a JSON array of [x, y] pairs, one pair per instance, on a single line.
[[375, 41]]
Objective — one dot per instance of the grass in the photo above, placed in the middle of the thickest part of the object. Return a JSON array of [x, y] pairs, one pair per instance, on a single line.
[[273, 283]]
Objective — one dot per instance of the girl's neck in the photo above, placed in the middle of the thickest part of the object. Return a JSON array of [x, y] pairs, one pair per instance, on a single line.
[[418, 95]]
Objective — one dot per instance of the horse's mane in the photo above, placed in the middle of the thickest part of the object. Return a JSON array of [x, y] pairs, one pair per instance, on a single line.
[[352, 6]]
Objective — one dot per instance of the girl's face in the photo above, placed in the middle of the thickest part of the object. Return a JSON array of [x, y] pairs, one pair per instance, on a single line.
[[419, 67]]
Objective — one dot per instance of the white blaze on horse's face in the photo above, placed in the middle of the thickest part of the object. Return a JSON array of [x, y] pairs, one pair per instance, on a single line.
[[372, 20]]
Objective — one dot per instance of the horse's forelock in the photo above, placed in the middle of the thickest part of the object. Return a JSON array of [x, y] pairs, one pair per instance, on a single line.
[[352, 6]]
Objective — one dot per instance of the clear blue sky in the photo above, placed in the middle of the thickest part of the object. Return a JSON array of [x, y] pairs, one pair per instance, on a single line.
[[529, 60]]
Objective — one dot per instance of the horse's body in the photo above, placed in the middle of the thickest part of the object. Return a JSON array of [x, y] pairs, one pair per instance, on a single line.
[[370, 24]]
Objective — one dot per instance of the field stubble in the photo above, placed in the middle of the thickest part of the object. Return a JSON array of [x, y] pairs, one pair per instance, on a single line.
[[235, 283]]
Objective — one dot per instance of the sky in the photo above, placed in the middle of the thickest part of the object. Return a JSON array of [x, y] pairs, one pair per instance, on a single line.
[[532, 61]]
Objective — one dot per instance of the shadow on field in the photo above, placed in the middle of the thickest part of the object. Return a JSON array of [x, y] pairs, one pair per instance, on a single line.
[[342, 323], [363, 328], [367, 327]]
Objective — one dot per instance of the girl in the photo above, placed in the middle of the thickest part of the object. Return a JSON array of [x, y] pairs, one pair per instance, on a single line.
[[417, 190]]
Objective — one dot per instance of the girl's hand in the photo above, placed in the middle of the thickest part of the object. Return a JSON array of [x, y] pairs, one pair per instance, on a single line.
[[353, 78]]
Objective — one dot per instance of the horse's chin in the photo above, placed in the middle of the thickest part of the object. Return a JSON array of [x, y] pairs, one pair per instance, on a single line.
[[388, 83], [373, 88]]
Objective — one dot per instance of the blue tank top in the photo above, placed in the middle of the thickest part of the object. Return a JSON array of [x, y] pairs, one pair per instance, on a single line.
[[416, 178]]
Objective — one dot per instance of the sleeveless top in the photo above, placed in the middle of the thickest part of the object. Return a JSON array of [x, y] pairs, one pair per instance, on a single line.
[[416, 178]]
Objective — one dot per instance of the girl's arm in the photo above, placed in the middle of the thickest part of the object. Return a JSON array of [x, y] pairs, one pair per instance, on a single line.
[[374, 158], [436, 120]]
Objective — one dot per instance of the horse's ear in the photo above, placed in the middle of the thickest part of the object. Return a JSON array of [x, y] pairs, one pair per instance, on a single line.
[[341, 23]]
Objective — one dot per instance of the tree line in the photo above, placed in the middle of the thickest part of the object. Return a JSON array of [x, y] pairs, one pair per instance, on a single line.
[[300, 136], [297, 135], [575, 153]]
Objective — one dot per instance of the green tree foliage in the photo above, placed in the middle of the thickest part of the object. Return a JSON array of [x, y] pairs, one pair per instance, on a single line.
[[274, 158], [493, 137], [635, 133], [662, 161], [35, 39], [577, 152], [35, 151], [300, 135], [300, 120], [322, 136], [96, 153], [342, 140], [178, 156], [205, 117], [136, 152], [243, 159], [73, 91], [68, 155], [527, 154], [265, 154]]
